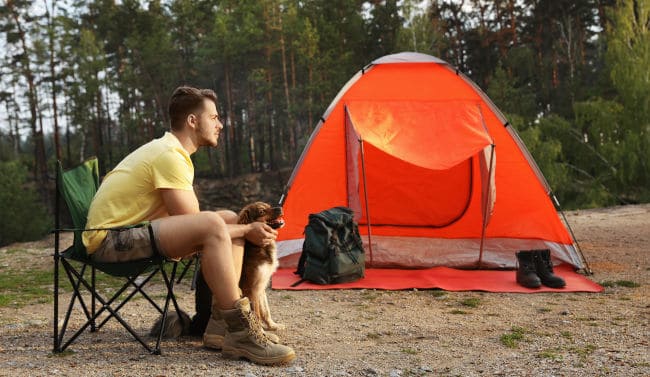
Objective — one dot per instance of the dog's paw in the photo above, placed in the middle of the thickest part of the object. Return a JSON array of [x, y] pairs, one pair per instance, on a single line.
[[276, 326]]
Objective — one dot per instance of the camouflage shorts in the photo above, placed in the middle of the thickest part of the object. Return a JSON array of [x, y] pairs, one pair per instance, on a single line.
[[127, 245]]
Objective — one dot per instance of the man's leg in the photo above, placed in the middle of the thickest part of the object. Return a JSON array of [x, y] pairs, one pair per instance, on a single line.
[[203, 295], [207, 318], [230, 217], [208, 232]]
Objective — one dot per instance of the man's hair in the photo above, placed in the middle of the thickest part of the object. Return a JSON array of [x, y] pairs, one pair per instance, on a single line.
[[187, 100]]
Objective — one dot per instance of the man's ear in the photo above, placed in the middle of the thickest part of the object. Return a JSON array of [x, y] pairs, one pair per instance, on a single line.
[[192, 120]]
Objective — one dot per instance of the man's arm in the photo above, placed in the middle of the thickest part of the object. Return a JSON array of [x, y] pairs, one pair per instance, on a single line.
[[184, 202], [180, 202]]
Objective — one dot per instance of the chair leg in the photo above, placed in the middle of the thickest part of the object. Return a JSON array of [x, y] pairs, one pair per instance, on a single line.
[[93, 328], [76, 280], [57, 344], [169, 283], [137, 288], [186, 267], [197, 270], [106, 305], [99, 305]]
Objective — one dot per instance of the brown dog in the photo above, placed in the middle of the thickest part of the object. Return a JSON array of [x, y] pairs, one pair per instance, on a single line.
[[260, 262]]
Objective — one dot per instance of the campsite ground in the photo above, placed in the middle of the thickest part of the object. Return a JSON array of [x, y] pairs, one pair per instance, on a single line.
[[380, 333]]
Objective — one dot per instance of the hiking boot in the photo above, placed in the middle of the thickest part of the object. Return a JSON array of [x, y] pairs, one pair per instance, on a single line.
[[246, 338], [526, 273], [216, 330], [544, 269]]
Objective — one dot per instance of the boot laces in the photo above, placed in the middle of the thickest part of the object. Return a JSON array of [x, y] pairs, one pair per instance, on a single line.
[[255, 328], [528, 268]]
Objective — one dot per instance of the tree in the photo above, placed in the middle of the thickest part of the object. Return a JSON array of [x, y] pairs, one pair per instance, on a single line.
[[627, 139], [16, 19], [23, 218]]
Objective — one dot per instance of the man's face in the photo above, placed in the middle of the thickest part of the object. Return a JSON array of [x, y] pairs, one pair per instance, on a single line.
[[209, 126]]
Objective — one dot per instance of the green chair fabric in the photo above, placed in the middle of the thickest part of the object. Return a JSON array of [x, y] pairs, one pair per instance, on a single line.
[[77, 187]]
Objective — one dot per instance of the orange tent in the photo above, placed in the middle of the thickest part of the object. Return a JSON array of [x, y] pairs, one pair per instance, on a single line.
[[432, 169]]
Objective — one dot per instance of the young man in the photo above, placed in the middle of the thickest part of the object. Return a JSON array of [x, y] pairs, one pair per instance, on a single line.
[[154, 183]]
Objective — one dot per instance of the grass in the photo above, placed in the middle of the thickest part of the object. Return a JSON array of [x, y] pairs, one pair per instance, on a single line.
[[410, 351], [620, 283], [438, 293], [458, 311], [583, 352], [67, 352], [512, 339], [34, 284], [14, 251], [471, 302], [24, 287], [552, 354]]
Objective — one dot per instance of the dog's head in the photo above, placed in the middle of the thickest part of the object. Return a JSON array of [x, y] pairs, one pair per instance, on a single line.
[[263, 212]]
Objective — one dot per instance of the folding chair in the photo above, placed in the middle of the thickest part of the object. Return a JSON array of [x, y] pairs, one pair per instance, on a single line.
[[78, 187]]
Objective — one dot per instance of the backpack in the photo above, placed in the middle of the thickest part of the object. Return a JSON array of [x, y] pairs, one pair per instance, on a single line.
[[332, 251]]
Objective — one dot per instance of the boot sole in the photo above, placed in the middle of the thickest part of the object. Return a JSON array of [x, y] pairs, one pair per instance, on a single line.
[[214, 342], [234, 353], [555, 285]]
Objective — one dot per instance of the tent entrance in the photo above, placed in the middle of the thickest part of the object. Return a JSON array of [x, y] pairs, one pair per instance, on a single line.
[[422, 197]]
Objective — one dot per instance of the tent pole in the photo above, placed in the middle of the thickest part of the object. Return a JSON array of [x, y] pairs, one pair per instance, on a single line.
[[556, 202], [485, 209], [365, 195]]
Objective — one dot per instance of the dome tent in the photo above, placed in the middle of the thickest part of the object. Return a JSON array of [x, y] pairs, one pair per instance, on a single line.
[[433, 170]]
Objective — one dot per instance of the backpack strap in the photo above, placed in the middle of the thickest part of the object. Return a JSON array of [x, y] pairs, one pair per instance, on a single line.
[[301, 264]]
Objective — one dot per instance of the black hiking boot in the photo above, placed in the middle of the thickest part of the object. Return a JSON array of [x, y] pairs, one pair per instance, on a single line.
[[544, 269], [526, 274]]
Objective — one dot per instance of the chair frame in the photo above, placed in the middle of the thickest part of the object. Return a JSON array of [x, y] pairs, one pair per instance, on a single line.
[[147, 269]]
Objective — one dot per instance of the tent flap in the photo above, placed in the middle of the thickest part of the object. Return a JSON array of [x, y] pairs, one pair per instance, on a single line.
[[423, 133]]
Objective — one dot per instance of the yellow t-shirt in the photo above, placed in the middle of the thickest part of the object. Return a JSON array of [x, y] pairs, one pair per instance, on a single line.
[[129, 193]]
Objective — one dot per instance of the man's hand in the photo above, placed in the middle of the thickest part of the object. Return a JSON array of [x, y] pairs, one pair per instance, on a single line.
[[261, 234]]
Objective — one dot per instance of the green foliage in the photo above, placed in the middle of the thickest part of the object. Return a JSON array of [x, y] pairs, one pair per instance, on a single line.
[[574, 81], [23, 217], [620, 283], [512, 339], [472, 302]]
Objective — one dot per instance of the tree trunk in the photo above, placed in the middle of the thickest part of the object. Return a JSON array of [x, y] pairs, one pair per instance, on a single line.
[[98, 140], [57, 143], [231, 146], [251, 121], [287, 96], [109, 133], [40, 167]]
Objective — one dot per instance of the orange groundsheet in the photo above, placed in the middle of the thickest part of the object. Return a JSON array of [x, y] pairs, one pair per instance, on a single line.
[[449, 279]]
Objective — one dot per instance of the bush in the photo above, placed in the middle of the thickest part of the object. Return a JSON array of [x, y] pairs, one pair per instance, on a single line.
[[23, 215]]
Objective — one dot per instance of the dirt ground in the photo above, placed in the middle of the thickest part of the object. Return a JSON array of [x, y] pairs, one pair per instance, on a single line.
[[381, 333]]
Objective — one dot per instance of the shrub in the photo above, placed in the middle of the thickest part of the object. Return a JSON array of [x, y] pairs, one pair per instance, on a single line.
[[23, 218]]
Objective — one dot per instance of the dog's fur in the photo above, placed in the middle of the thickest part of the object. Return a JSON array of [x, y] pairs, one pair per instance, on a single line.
[[177, 324], [260, 262]]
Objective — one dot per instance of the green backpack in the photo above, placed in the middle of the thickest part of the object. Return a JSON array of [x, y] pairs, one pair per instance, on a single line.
[[332, 251]]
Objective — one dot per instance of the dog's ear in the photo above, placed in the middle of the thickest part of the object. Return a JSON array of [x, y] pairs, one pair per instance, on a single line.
[[244, 216]]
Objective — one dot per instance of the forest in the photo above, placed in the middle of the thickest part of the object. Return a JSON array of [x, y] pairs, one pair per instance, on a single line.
[[92, 78]]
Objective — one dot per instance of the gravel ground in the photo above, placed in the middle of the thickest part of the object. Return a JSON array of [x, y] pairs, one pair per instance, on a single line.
[[382, 333]]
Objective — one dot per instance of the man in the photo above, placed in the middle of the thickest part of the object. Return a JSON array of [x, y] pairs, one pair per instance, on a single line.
[[154, 183]]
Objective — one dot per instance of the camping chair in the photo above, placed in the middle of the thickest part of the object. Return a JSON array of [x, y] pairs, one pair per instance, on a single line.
[[78, 187]]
